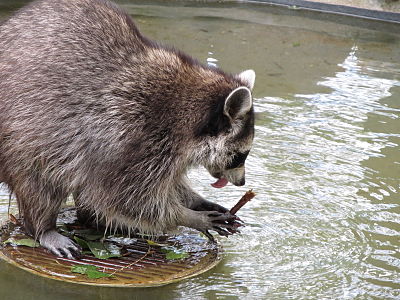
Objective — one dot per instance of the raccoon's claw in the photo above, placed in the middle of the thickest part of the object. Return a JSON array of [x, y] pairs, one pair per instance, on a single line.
[[208, 235], [72, 252], [226, 218], [225, 224], [60, 245], [224, 232], [221, 231]]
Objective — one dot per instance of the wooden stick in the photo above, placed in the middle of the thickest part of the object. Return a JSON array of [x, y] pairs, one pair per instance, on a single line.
[[245, 198]]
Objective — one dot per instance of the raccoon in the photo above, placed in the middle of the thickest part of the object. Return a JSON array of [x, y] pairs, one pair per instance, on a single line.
[[91, 107]]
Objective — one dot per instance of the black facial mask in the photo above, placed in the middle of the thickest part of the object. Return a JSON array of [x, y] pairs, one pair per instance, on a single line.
[[238, 160]]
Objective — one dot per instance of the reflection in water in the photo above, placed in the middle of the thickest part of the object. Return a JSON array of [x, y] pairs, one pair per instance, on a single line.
[[325, 163]]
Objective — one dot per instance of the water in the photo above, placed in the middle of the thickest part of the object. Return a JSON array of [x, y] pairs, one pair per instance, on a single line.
[[325, 164]]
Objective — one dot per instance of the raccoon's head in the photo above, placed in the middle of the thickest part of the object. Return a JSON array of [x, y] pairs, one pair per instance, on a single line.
[[230, 133]]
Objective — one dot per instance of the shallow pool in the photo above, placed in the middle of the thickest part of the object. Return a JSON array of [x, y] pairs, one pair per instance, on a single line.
[[325, 164]]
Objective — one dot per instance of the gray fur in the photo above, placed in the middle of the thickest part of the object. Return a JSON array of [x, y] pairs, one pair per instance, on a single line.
[[90, 107]]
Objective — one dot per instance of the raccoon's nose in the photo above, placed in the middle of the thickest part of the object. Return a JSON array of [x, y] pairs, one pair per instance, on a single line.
[[241, 182]]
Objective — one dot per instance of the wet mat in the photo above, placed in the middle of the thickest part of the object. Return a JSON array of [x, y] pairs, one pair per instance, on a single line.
[[141, 262]]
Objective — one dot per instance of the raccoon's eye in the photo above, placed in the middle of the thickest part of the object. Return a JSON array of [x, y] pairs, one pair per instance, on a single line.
[[238, 160]]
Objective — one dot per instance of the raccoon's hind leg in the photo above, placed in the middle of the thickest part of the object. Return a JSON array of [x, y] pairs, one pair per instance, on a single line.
[[39, 206], [84, 215], [87, 217]]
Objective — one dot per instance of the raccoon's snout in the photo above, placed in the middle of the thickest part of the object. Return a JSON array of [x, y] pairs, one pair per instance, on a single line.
[[235, 176], [241, 182], [238, 181]]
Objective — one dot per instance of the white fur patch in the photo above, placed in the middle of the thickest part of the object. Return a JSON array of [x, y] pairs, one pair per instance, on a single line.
[[248, 76]]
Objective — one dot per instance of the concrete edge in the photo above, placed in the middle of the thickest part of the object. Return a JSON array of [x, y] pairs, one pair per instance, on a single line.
[[363, 13]]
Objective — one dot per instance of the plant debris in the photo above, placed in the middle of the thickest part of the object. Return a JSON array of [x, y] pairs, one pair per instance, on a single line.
[[140, 260]]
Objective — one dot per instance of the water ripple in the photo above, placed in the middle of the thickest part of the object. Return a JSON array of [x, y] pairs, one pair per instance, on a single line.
[[324, 221]]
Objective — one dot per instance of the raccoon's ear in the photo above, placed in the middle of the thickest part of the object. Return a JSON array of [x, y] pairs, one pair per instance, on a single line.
[[238, 103], [249, 77]]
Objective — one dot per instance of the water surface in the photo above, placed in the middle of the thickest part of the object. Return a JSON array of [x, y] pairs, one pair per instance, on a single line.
[[325, 163]]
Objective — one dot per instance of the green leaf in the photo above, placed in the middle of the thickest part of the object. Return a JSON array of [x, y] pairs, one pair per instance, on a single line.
[[82, 269], [153, 243], [88, 234], [172, 253], [22, 242], [91, 271], [81, 242], [92, 237], [94, 274], [98, 249]]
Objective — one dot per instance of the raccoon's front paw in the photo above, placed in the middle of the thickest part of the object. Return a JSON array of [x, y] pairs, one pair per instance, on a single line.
[[224, 224], [60, 245]]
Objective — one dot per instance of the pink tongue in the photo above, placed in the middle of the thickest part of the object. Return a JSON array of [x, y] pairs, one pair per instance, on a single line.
[[220, 183]]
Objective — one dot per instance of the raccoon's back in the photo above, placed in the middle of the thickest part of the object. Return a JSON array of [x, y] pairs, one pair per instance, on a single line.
[[65, 47], [58, 63]]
